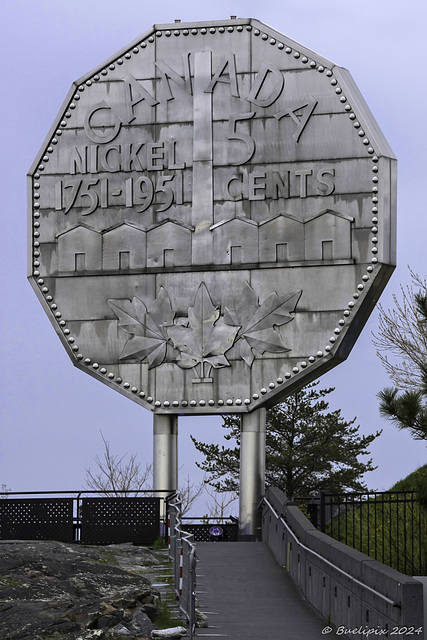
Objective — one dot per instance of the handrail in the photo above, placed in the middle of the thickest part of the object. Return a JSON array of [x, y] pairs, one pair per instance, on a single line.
[[331, 564], [170, 492], [214, 518]]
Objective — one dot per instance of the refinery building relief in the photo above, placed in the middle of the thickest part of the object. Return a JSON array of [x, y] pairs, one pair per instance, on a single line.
[[282, 238]]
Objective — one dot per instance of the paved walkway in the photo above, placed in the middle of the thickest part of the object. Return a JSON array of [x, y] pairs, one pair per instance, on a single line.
[[247, 595]]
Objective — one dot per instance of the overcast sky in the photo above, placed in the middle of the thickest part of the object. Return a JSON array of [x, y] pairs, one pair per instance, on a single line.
[[52, 413]]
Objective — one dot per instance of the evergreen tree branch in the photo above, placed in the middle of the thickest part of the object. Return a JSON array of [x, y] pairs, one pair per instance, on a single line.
[[308, 448]]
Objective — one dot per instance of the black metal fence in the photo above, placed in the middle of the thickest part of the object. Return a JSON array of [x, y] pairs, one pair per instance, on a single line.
[[79, 518], [212, 529], [388, 526]]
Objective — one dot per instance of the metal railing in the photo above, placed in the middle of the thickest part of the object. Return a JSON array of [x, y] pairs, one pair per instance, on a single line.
[[182, 554], [389, 526]]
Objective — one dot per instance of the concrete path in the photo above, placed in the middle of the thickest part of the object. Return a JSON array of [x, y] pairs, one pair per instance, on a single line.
[[247, 595]]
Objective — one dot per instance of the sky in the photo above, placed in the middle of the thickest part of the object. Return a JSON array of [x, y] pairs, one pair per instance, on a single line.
[[52, 414]]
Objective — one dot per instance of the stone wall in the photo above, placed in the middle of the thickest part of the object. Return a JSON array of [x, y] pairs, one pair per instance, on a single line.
[[349, 589]]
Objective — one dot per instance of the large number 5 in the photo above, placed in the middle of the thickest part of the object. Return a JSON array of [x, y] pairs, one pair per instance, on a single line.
[[92, 195], [166, 190], [244, 137]]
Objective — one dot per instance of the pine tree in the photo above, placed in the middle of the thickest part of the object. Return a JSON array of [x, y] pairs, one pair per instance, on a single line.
[[308, 449]]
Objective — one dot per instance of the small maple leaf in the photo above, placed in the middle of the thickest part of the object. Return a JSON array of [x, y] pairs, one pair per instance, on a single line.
[[206, 337], [257, 328], [149, 338]]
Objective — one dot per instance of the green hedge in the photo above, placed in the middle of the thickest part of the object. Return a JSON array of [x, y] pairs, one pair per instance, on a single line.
[[393, 531]]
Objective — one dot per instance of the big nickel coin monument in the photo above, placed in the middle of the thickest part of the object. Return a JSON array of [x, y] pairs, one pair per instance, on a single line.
[[212, 220]]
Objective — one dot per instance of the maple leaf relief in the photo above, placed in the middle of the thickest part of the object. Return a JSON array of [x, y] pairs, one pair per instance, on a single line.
[[147, 328], [257, 329], [205, 338]]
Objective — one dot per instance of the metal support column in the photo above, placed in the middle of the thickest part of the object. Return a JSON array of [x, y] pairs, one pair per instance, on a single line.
[[165, 453], [252, 471]]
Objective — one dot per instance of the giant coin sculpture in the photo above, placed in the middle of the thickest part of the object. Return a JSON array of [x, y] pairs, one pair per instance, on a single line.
[[212, 218]]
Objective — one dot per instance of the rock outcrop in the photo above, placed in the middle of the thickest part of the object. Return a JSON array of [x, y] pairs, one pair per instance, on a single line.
[[57, 591]]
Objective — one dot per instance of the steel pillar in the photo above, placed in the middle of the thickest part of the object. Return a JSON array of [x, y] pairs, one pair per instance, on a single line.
[[165, 453], [252, 471]]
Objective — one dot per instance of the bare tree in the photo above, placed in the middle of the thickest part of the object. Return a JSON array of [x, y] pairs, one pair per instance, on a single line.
[[123, 476], [4, 492], [401, 340], [118, 476], [403, 334], [189, 492], [220, 503]]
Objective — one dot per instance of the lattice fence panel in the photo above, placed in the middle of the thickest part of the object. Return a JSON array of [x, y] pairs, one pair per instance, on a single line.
[[115, 520], [37, 519], [212, 533]]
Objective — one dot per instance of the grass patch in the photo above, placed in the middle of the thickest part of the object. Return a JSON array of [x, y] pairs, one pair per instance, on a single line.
[[108, 556], [105, 555], [159, 544], [8, 583], [165, 620]]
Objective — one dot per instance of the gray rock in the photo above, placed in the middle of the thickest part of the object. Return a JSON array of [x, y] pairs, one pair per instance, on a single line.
[[69, 592], [151, 610], [141, 623], [201, 620], [173, 632], [120, 630], [95, 634]]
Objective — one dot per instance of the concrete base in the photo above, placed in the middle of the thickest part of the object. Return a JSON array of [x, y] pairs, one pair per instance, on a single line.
[[247, 538]]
